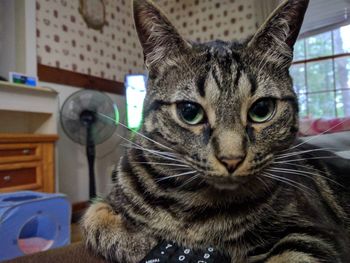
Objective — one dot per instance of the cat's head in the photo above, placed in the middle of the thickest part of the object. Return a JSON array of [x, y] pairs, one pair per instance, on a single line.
[[223, 109]]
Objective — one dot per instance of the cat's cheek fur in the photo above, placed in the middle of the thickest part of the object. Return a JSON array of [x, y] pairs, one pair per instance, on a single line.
[[106, 234], [292, 257]]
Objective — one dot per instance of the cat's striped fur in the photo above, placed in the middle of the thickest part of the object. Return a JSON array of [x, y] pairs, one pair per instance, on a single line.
[[281, 203]]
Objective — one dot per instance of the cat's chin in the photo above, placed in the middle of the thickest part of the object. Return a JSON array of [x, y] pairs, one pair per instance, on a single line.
[[227, 183], [229, 187]]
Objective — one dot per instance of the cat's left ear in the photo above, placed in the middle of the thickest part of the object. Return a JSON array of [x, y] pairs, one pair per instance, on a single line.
[[276, 37], [159, 39]]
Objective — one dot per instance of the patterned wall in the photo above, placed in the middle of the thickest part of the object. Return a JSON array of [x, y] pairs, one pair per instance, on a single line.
[[205, 20], [64, 41]]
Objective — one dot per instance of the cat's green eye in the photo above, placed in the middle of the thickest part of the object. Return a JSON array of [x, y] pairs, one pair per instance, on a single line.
[[191, 113], [262, 110]]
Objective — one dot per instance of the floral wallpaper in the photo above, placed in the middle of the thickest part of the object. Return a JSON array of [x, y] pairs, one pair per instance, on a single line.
[[65, 41]]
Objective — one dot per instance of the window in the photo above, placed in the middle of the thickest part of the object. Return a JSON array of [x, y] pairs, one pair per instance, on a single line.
[[321, 74]]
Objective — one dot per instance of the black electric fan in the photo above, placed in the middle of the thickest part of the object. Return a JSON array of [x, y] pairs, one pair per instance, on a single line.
[[89, 117]]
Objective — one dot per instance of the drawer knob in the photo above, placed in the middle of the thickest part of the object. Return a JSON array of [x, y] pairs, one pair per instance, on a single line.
[[26, 151], [7, 178]]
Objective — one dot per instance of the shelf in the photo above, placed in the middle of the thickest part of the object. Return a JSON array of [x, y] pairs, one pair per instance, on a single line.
[[25, 88], [26, 109], [22, 98]]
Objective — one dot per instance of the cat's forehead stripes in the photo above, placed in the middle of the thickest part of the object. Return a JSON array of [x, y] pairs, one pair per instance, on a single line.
[[225, 68], [227, 83], [222, 71], [200, 84]]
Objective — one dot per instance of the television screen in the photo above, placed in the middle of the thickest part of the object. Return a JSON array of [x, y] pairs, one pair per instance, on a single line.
[[135, 94]]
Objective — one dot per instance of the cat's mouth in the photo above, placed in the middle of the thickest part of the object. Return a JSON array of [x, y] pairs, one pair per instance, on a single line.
[[226, 182], [245, 174], [240, 178]]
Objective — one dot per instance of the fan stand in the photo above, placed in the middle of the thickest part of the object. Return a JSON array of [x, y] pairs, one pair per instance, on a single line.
[[90, 153], [81, 119], [88, 118]]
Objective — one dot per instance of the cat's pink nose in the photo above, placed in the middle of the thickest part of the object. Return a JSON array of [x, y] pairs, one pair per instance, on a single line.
[[231, 162]]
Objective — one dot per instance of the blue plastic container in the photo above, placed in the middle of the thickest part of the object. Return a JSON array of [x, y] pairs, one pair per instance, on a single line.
[[31, 222]]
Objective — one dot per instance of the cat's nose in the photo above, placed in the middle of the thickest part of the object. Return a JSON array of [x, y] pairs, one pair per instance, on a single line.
[[231, 162]]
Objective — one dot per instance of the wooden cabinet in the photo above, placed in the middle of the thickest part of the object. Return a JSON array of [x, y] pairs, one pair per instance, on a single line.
[[27, 162]]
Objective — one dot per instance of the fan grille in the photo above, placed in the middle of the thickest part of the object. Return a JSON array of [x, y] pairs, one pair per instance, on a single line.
[[106, 116]]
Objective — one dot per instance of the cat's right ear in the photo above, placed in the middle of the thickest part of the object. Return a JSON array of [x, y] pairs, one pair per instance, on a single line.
[[275, 39], [159, 39]]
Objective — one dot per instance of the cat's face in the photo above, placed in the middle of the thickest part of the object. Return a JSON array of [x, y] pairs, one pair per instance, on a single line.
[[227, 109]]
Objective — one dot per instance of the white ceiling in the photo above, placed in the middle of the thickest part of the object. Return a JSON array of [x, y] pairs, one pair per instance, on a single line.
[[324, 13]]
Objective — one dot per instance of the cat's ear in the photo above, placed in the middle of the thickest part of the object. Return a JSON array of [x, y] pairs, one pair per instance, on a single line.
[[276, 37], [160, 40]]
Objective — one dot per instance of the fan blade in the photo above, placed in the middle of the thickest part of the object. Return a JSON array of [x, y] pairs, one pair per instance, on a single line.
[[98, 102]]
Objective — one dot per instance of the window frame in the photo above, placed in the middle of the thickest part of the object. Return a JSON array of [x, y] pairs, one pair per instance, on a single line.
[[307, 61]]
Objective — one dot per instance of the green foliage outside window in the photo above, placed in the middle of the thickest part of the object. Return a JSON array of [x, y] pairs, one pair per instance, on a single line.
[[321, 74]]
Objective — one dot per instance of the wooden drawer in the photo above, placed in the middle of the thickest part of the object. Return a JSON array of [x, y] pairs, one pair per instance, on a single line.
[[20, 176], [14, 153]]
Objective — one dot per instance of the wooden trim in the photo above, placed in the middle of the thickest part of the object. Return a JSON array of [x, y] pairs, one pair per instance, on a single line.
[[66, 77], [321, 58], [48, 166], [23, 137]]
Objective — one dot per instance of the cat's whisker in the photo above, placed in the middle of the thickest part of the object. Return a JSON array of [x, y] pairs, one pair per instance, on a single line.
[[317, 136], [288, 181], [306, 151], [155, 152], [311, 158], [159, 155], [178, 169], [192, 178], [170, 156], [175, 176], [163, 153], [299, 165], [138, 133], [280, 179], [304, 173], [289, 171], [167, 153], [286, 155], [164, 164], [263, 182]]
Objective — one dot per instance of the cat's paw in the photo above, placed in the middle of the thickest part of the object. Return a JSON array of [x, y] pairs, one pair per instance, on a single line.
[[107, 235]]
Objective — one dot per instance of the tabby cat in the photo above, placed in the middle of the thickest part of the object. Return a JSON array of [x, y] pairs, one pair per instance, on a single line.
[[217, 161]]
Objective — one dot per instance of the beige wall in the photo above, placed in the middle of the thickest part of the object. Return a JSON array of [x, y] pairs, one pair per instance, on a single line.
[[64, 40], [7, 37], [72, 165], [17, 37], [205, 20], [71, 168], [196, 20]]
